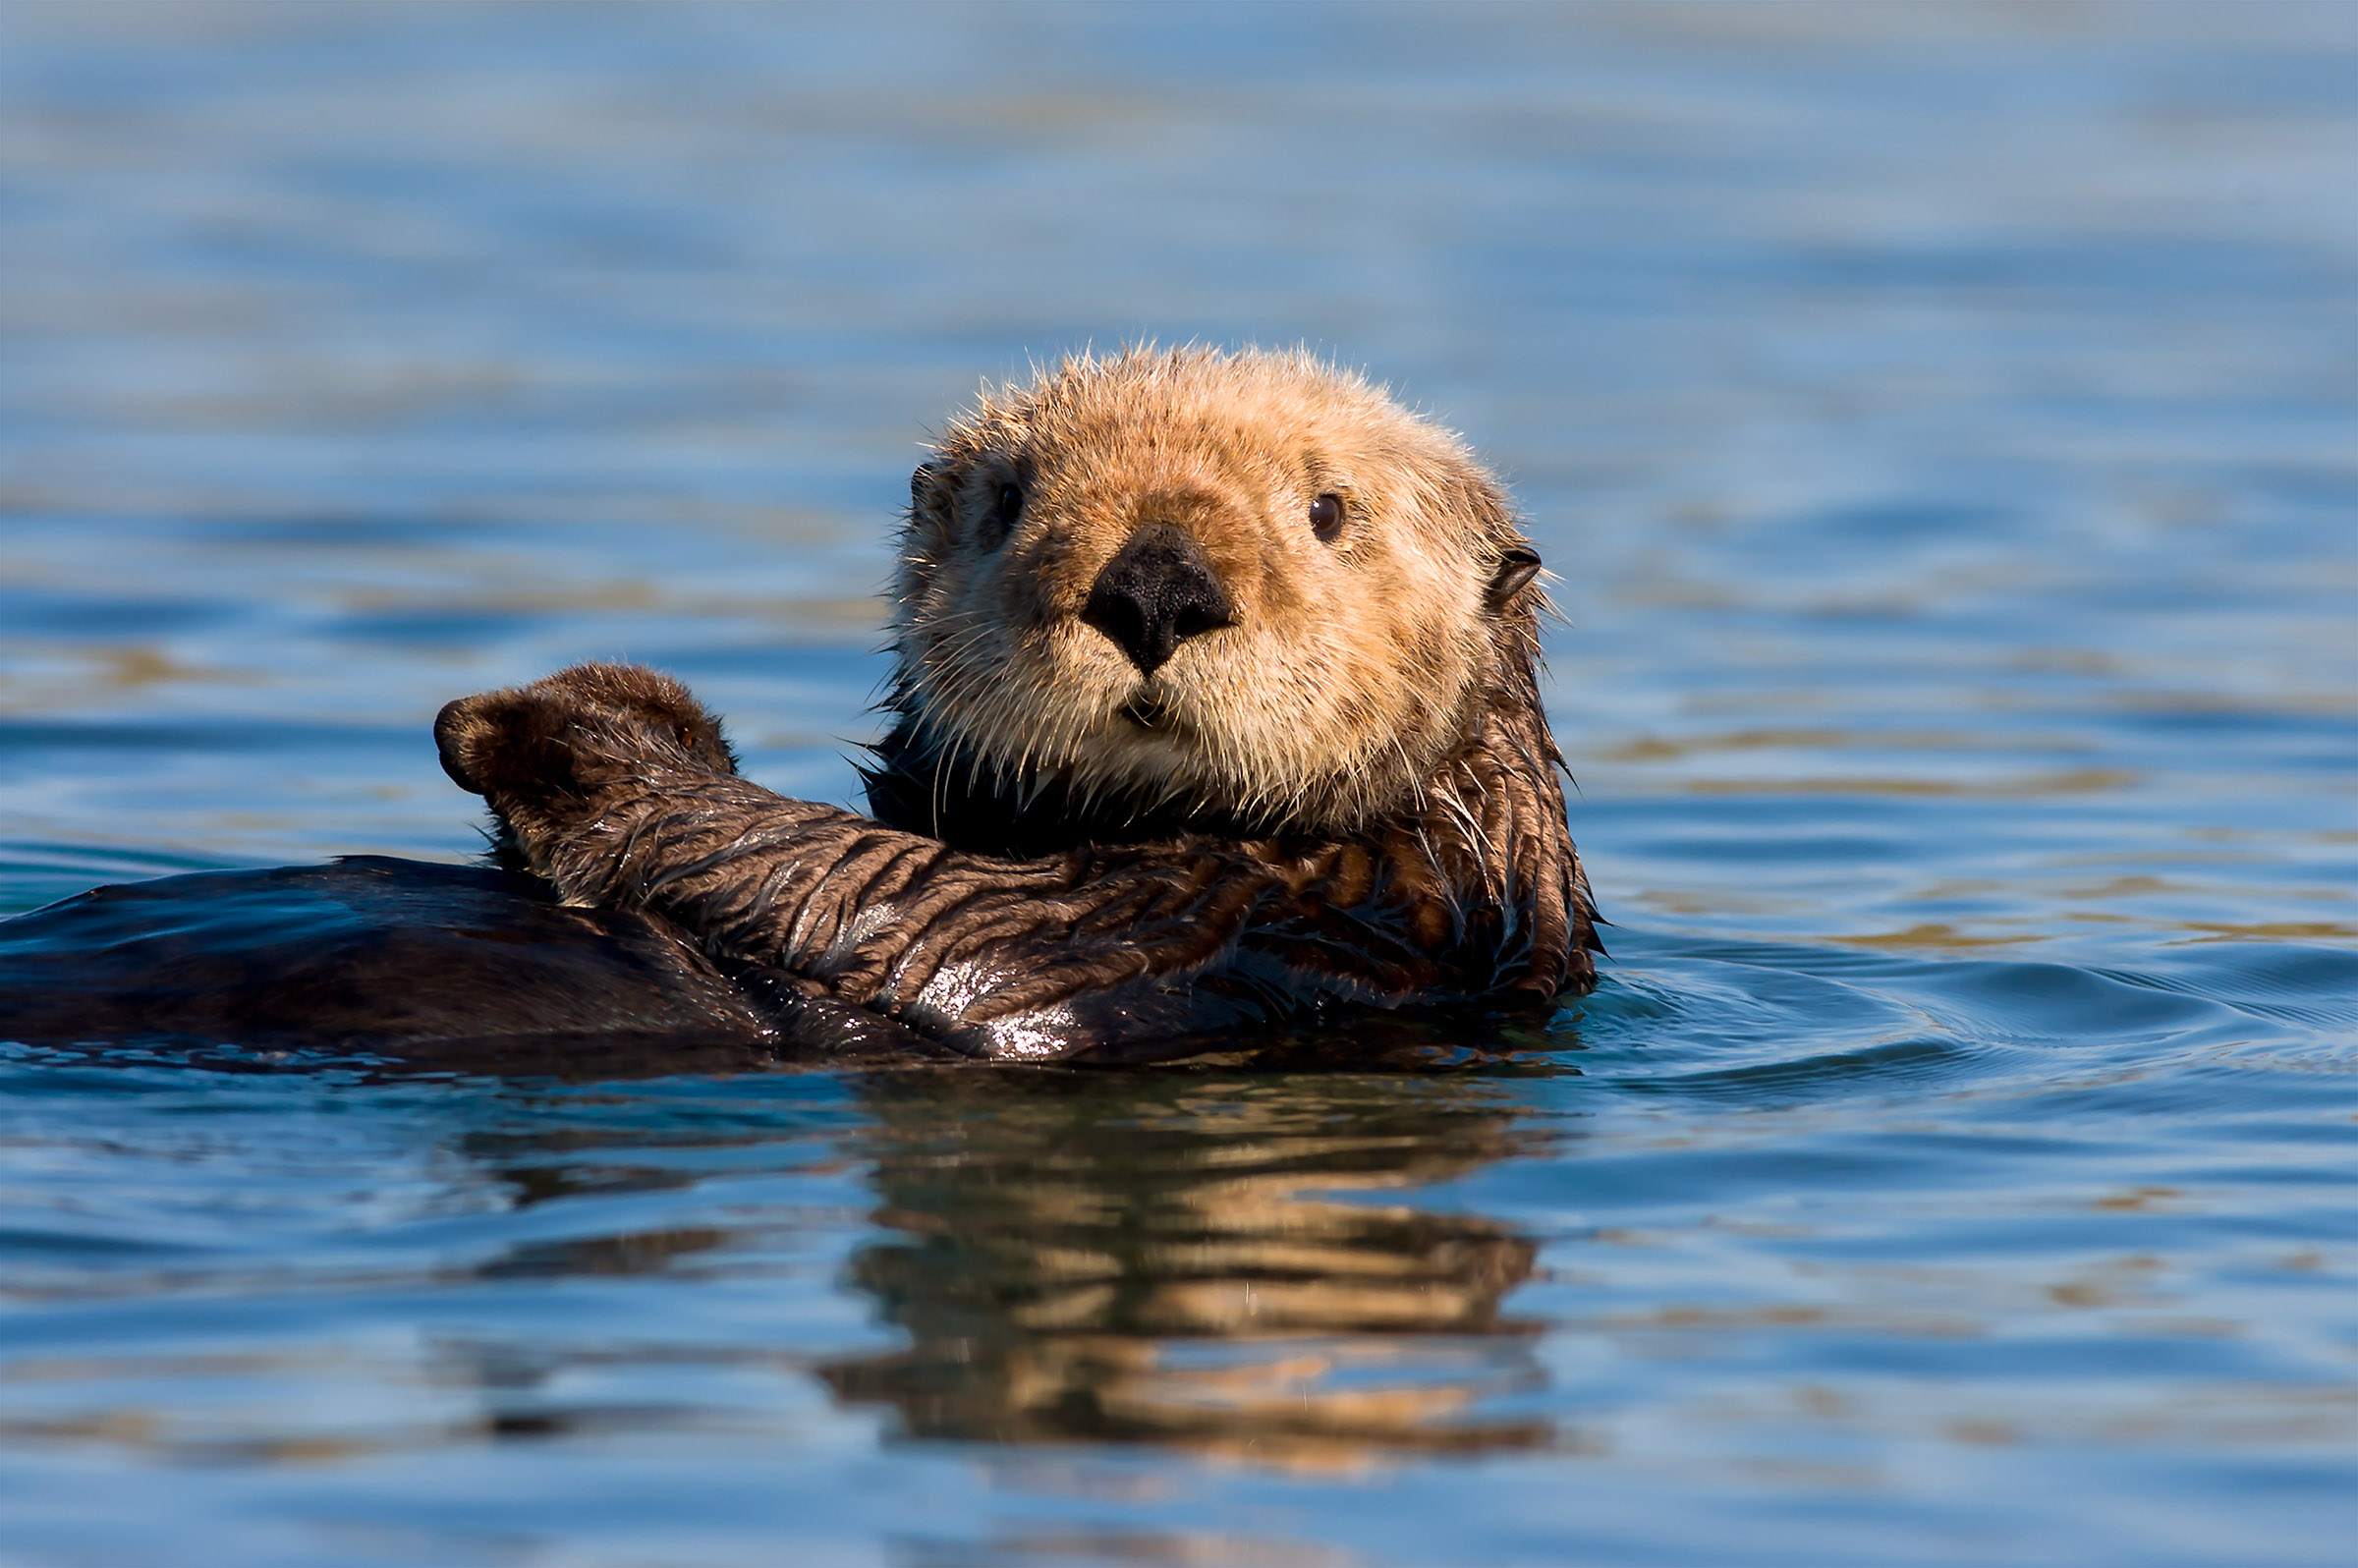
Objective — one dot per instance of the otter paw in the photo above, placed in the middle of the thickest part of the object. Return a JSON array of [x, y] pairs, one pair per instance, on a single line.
[[557, 735]]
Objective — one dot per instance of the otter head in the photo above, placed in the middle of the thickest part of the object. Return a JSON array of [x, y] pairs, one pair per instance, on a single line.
[[1243, 586]]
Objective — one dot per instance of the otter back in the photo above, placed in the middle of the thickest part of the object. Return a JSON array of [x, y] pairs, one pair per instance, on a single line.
[[466, 966]]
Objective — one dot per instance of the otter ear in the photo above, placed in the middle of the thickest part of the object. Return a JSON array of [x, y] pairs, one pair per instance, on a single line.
[[921, 486], [1517, 566]]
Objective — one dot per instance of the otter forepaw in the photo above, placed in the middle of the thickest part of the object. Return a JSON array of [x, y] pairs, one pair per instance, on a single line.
[[502, 744], [556, 736]]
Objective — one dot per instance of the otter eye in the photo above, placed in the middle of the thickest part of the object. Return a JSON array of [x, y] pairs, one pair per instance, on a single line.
[[1003, 514], [1326, 517]]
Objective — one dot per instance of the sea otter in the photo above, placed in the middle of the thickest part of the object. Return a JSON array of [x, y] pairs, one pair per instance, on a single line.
[[1216, 709], [1215, 706]]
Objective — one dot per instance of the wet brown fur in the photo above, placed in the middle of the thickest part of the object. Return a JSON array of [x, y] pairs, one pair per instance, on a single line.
[[1347, 795]]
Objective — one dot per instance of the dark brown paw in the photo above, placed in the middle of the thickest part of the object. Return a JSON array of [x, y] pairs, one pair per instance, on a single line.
[[554, 737]]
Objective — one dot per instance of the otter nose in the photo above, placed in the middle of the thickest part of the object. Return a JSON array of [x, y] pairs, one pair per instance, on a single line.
[[1155, 594]]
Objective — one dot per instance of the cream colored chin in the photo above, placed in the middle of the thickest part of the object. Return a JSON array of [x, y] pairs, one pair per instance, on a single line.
[[1177, 758], [1150, 758]]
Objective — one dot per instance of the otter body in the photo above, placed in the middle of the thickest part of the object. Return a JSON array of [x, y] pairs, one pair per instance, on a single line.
[[459, 966], [1215, 708]]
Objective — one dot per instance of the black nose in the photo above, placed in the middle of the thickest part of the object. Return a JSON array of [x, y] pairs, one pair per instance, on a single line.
[[1155, 594]]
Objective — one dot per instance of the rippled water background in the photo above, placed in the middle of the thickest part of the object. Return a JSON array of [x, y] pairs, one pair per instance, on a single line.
[[1944, 425]]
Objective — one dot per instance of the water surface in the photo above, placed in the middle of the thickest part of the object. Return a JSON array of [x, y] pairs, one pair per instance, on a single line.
[[1941, 424]]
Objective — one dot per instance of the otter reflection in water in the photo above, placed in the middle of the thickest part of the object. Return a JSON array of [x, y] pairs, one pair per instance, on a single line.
[[1222, 1265]]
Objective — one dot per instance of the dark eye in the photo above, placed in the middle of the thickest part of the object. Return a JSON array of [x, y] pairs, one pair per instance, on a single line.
[[1326, 517], [1010, 506]]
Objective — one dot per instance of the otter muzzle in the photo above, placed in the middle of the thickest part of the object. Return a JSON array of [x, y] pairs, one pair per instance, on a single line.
[[1155, 594]]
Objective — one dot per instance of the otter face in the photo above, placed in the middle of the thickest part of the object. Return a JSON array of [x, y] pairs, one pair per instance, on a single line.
[[1246, 585]]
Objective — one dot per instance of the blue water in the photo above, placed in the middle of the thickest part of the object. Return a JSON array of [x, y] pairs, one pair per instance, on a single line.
[[1944, 427]]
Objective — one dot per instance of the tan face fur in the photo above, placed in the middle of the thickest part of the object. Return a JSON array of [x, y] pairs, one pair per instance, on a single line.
[[1348, 667]]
